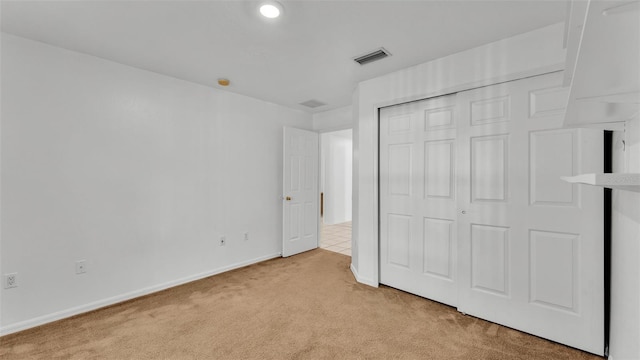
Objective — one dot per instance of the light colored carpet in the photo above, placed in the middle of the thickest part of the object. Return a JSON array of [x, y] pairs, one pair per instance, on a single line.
[[304, 307]]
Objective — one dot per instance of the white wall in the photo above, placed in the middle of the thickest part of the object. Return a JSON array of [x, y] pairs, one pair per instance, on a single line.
[[528, 54], [336, 169], [137, 173], [355, 179], [332, 120], [625, 251]]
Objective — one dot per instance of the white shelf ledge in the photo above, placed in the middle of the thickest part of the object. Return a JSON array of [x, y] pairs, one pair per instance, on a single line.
[[620, 181], [630, 97]]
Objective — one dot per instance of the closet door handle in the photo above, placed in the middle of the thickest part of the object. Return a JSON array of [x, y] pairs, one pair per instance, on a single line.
[[464, 212]]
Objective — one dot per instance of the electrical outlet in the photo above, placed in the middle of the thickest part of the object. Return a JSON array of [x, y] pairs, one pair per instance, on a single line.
[[81, 267], [10, 280], [223, 240], [246, 236]]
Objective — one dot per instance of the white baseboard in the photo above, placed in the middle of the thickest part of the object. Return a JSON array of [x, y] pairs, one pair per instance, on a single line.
[[361, 279], [41, 320]]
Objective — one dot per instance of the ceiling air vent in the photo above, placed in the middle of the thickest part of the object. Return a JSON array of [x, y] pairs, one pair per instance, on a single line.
[[312, 103], [372, 56]]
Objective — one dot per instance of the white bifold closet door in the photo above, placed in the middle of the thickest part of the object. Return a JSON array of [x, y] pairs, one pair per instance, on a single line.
[[418, 205], [522, 248]]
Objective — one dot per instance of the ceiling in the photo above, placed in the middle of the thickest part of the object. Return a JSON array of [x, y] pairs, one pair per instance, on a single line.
[[305, 54]]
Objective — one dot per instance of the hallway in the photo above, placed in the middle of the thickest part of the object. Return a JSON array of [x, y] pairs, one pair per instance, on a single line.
[[336, 238]]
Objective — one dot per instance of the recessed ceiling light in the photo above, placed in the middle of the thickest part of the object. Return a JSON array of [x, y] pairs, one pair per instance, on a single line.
[[271, 9]]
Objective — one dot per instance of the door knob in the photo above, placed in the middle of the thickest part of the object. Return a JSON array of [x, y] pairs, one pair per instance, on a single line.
[[464, 212], [288, 198]]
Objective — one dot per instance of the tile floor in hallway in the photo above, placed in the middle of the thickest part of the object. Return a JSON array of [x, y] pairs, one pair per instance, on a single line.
[[336, 238]]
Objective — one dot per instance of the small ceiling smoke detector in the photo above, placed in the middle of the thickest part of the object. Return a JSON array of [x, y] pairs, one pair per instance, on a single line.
[[313, 103], [372, 56], [271, 9], [223, 82]]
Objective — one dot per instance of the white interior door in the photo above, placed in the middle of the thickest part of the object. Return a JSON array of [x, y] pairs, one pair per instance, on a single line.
[[473, 212], [418, 198], [300, 191], [531, 252]]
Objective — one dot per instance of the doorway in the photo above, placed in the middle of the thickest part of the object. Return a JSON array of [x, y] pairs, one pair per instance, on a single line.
[[336, 149]]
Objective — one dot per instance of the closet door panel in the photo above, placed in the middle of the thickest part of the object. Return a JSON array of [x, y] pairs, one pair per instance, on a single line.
[[530, 246], [418, 248]]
